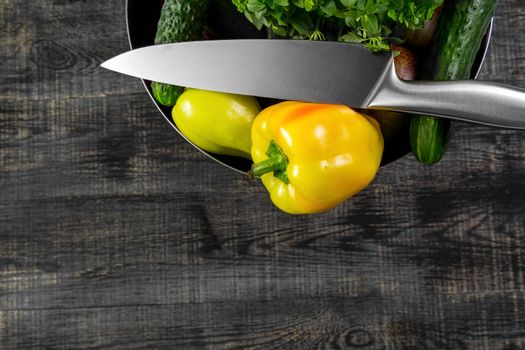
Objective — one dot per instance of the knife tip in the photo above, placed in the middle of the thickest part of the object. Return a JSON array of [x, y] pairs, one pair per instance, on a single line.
[[106, 64]]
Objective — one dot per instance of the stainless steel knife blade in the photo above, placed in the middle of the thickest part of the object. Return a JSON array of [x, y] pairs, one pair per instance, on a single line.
[[324, 72]]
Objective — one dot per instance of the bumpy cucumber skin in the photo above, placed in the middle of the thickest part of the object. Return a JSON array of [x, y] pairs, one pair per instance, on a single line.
[[460, 32], [454, 47], [430, 135], [180, 20], [165, 94]]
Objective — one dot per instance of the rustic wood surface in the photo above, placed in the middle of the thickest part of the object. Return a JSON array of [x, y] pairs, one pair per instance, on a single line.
[[116, 234]]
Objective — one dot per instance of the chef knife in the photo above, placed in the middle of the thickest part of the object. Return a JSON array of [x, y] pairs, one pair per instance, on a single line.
[[324, 72]]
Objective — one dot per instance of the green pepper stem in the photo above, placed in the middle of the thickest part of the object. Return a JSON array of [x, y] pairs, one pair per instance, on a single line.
[[275, 163]]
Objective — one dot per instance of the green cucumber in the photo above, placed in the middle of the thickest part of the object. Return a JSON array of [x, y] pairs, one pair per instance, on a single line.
[[428, 138], [180, 20], [452, 54]]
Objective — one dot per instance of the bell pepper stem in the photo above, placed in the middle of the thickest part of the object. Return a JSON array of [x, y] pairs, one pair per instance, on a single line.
[[276, 163], [269, 165]]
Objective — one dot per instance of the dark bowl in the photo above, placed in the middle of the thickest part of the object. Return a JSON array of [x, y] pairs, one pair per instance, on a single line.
[[227, 23]]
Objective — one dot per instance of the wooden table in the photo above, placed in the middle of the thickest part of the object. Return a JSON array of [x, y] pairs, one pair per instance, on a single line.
[[117, 234]]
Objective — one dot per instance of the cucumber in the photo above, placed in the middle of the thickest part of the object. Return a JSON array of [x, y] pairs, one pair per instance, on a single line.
[[428, 138], [452, 53], [180, 20]]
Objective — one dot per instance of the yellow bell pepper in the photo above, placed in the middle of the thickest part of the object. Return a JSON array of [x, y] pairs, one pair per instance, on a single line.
[[312, 157], [217, 122]]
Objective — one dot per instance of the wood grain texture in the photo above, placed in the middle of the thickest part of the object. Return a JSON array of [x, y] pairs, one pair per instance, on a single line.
[[116, 234]]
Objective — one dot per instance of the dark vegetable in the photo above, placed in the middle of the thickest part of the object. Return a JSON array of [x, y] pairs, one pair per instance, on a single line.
[[405, 62], [421, 37], [180, 20], [459, 33], [393, 123]]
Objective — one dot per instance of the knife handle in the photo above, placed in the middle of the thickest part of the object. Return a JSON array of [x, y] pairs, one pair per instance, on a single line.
[[472, 101]]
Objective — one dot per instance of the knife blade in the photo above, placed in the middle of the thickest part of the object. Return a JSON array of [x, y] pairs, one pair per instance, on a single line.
[[323, 72]]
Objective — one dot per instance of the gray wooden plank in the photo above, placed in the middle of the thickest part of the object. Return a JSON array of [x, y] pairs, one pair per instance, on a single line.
[[116, 234]]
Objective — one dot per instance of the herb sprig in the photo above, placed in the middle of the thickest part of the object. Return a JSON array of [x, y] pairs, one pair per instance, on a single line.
[[370, 22]]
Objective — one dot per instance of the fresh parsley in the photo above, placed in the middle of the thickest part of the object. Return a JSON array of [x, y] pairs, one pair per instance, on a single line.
[[374, 23]]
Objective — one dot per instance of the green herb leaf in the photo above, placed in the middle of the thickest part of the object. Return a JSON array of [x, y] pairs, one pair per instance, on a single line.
[[255, 6], [370, 22]]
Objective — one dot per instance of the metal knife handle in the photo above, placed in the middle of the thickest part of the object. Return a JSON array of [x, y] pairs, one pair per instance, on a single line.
[[466, 100]]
